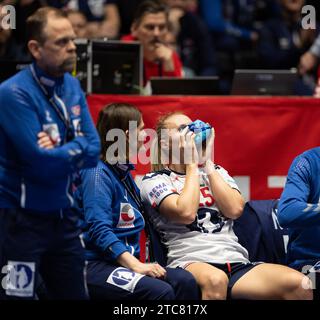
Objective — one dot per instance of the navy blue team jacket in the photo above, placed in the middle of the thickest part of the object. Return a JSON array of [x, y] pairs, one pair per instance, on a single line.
[[299, 209], [32, 177], [112, 218]]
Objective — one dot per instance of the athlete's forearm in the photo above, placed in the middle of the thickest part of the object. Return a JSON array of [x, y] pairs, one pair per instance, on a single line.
[[228, 200], [189, 198]]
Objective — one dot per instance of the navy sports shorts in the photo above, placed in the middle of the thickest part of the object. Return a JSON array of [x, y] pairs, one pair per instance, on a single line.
[[234, 271]]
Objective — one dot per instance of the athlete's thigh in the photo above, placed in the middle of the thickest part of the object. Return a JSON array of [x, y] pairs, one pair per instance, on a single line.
[[267, 281]]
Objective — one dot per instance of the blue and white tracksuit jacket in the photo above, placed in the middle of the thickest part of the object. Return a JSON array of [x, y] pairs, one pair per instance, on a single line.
[[299, 209], [32, 177], [113, 220]]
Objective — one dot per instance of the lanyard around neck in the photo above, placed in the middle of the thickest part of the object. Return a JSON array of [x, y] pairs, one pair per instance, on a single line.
[[62, 115]]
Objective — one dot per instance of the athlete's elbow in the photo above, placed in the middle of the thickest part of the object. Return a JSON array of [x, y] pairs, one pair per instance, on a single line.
[[236, 212], [187, 217]]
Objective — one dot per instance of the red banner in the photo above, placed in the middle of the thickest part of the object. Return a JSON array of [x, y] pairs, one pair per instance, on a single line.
[[256, 138]]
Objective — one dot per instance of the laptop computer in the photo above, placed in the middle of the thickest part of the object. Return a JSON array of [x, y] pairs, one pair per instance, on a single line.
[[265, 82], [116, 67], [185, 86]]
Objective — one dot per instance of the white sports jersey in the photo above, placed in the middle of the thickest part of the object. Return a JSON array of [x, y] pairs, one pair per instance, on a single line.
[[210, 238]]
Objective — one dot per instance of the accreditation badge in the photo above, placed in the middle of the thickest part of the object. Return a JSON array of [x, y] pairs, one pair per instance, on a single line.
[[52, 130]]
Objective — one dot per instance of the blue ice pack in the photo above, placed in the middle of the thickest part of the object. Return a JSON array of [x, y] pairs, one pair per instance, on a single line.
[[201, 129]]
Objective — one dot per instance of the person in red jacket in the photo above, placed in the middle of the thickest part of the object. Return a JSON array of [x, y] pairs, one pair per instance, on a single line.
[[150, 28]]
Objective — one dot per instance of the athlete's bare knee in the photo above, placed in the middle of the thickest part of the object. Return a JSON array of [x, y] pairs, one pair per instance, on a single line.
[[299, 287], [215, 287], [304, 288]]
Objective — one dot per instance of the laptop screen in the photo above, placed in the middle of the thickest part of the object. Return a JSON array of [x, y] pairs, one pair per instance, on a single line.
[[116, 67], [265, 82]]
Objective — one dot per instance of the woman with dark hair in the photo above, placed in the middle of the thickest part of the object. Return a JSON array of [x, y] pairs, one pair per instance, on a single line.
[[113, 220]]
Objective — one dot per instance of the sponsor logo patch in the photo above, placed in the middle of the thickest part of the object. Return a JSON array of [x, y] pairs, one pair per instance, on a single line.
[[76, 110], [52, 130], [158, 191], [127, 216], [20, 279], [124, 279]]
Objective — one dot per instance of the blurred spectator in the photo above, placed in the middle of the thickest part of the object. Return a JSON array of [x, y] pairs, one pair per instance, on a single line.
[[171, 41], [126, 10], [309, 60], [102, 15], [5, 2], [193, 39], [191, 5], [24, 9], [317, 90], [12, 42], [231, 21], [150, 27], [79, 23], [234, 26], [283, 41]]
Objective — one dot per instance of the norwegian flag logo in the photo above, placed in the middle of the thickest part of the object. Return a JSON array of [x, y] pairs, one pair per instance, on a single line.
[[76, 110], [127, 216], [127, 213]]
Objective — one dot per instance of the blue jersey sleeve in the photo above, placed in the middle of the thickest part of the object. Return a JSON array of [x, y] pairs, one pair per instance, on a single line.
[[20, 123], [97, 190], [294, 209], [213, 14]]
